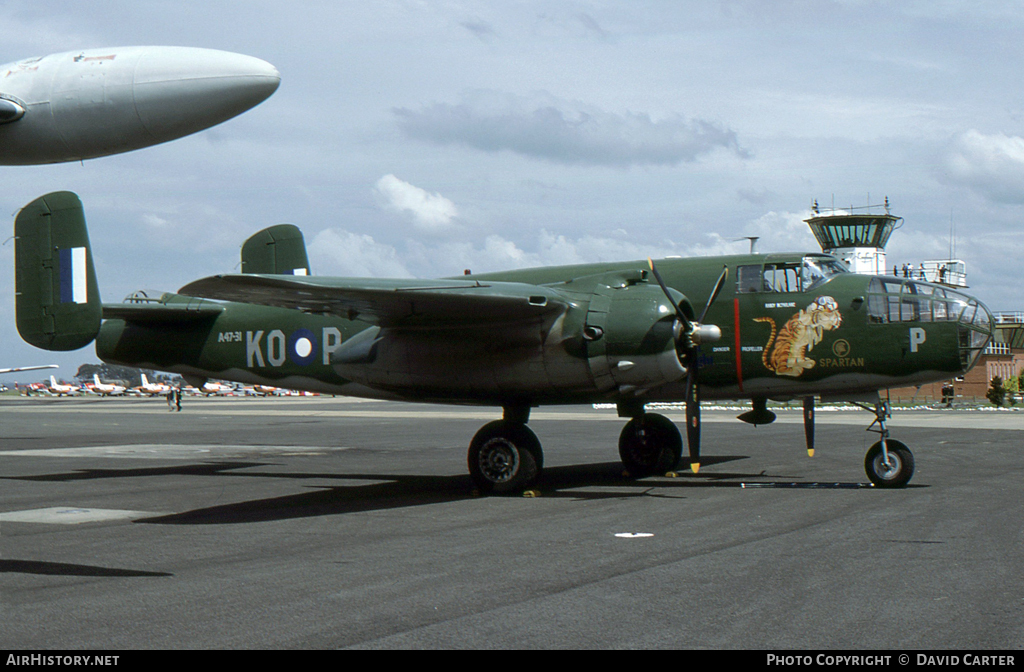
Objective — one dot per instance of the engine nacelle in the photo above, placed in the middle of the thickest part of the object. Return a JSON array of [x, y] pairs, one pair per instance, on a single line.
[[631, 338], [619, 341]]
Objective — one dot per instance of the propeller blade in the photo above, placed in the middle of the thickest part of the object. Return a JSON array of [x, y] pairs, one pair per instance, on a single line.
[[693, 418], [714, 292], [664, 288], [809, 424], [694, 332]]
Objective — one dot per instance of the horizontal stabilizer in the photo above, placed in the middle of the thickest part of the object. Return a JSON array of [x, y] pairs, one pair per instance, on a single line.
[[161, 314]]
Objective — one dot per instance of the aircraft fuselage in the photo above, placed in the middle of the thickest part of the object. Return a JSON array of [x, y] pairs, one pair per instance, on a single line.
[[782, 337]]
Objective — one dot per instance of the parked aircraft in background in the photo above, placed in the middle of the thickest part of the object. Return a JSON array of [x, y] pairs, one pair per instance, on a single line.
[[106, 389], [96, 102], [149, 388], [62, 389], [755, 326], [211, 387]]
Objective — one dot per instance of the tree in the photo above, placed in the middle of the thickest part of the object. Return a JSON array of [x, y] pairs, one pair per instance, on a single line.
[[996, 391], [1012, 388]]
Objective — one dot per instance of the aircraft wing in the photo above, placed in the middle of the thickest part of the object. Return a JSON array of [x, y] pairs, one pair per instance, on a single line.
[[29, 368], [405, 303]]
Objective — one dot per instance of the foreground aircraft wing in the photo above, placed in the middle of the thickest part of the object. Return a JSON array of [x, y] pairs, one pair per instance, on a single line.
[[390, 303], [29, 368]]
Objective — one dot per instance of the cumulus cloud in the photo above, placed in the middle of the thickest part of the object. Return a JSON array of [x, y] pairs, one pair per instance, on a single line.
[[430, 213], [342, 253], [782, 232], [992, 165], [567, 132], [155, 221]]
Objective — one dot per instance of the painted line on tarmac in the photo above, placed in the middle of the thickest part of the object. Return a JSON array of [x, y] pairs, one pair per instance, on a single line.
[[71, 515], [157, 451]]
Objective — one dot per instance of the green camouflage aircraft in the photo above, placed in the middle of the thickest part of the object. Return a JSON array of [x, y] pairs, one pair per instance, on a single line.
[[769, 326]]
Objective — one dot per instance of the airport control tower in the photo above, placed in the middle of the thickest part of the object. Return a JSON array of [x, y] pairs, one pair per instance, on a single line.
[[858, 238]]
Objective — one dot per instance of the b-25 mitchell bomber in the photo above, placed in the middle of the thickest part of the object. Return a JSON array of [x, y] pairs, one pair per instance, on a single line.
[[756, 326], [96, 102]]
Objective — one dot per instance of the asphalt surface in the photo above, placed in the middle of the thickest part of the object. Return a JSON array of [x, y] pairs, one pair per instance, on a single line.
[[300, 523]]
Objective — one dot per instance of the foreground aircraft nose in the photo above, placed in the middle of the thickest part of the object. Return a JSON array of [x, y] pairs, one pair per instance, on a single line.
[[92, 103], [178, 91]]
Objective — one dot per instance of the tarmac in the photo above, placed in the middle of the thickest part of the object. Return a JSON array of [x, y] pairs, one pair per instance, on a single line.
[[321, 523]]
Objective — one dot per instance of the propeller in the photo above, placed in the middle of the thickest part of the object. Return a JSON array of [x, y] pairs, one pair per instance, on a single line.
[[687, 342], [809, 424]]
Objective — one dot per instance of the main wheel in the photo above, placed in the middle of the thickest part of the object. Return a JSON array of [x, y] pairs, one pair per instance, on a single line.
[[650, 444], [900, 467], [504, 457]]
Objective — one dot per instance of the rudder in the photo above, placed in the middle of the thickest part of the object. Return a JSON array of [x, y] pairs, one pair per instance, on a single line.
[[57, 298], [278, 250]]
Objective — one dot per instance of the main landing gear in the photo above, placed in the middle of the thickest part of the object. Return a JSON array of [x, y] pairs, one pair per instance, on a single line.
[[505, 456], [888, 463], [650, 444]]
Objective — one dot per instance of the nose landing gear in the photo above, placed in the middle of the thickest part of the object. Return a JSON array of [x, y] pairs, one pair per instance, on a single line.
[[888, 463]]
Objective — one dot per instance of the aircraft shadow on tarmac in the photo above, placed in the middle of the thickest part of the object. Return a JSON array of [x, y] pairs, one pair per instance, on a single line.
[[390, 491], [67, 569]]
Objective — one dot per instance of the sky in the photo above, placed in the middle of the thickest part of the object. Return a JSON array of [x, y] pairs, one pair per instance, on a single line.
[[419, 139]]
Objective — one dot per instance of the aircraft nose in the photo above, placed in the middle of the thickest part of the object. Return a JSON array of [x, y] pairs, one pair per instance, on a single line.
[[976, 327], [181, 90]]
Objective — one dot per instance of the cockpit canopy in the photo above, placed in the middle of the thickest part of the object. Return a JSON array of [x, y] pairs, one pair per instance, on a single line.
[[788, 275]]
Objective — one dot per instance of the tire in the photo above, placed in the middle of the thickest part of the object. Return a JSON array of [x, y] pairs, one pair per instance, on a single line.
[[901, 467], [504, 458], [650, 444]]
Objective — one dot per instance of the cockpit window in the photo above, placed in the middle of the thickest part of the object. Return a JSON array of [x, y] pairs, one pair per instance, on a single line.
[[748, 279], [787, 276], [817, 270], [783, 277]]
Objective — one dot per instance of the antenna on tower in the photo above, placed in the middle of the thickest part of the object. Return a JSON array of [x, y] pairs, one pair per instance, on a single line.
[[952, 245]]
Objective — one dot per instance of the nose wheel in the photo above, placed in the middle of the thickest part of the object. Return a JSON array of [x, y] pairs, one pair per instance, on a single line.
[[891, 468], [888, 463]]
